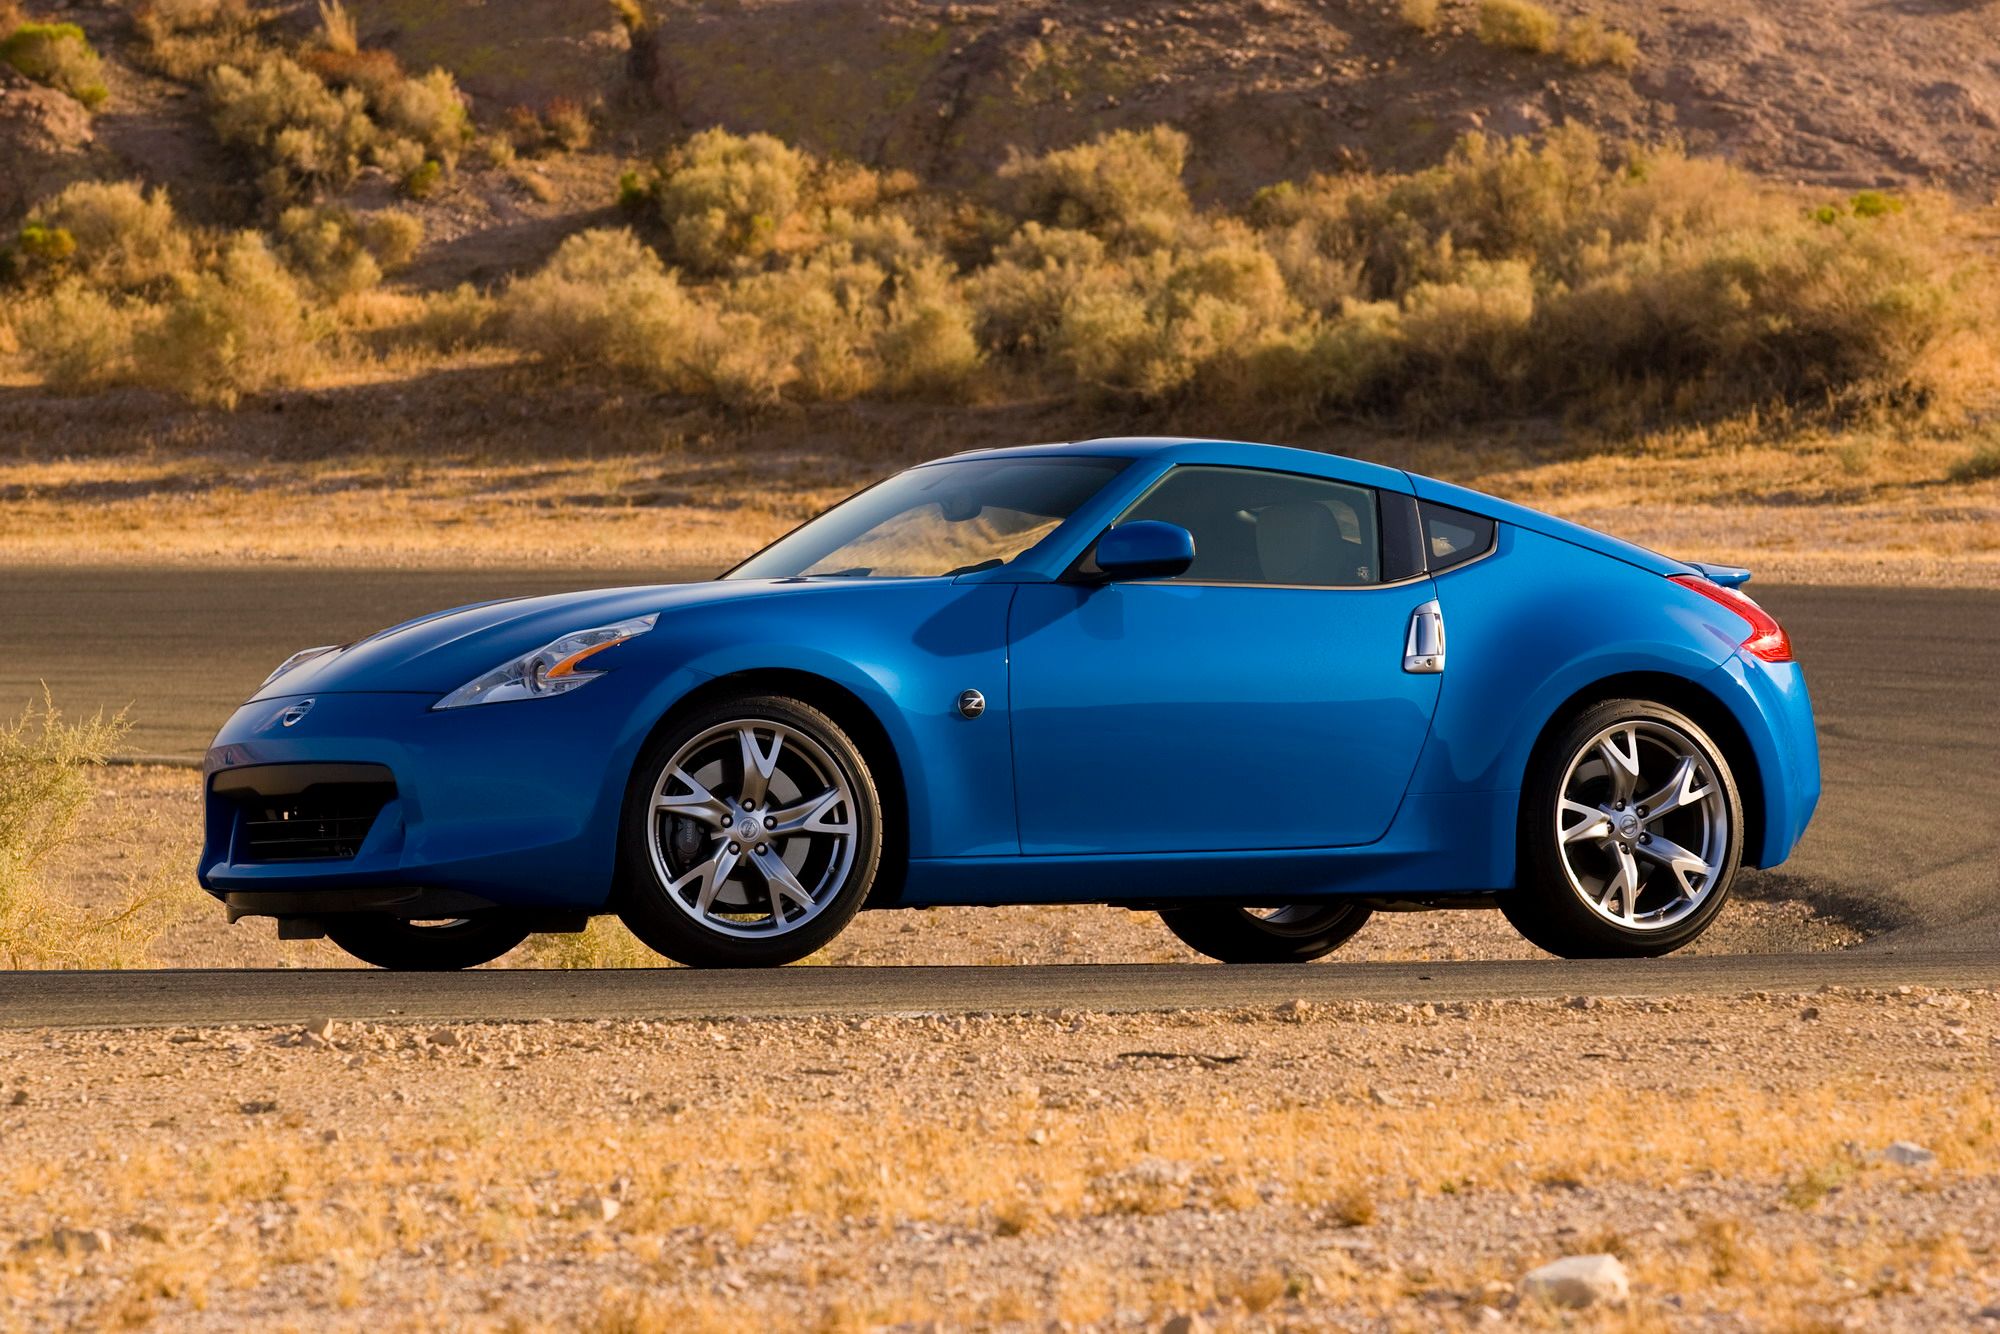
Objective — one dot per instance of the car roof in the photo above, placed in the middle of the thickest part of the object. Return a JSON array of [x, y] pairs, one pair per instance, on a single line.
[[1197, 449], [1248, 454]]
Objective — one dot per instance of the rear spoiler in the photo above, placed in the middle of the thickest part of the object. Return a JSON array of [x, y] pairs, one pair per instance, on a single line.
[[1729, 576]]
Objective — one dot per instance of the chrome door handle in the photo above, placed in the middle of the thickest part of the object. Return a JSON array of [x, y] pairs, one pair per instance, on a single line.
[[1423, 649]]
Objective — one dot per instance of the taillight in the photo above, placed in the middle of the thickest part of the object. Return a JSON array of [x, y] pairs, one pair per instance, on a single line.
[[1767, 640]]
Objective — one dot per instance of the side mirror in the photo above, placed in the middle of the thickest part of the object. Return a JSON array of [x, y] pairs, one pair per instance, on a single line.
[[1145, 549]]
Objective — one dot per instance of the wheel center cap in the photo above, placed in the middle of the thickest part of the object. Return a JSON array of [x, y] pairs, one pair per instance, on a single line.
[[1628, 826], [749, 829]]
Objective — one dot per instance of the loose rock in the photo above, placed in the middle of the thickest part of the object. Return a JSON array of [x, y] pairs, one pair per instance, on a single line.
[[1905, 1154], [1579, 1281]]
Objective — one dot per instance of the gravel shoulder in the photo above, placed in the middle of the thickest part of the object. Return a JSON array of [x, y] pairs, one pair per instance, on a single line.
[[1336, 1166]]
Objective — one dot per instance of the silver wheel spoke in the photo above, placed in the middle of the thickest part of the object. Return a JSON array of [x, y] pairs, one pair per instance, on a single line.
[[759, 764], [1681, 790], [812, 816], [697, 803], [708, 877], [784, 885], [1624, 887], [1622, 763], [1592, 822], [1677, 859]]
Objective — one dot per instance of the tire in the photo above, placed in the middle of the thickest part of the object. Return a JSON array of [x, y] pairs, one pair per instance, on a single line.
[[425, 947], [1297, 934], [711, 882], [1618, 800]]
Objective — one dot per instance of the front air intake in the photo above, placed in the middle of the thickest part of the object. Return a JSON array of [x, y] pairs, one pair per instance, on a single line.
[[303, 812]]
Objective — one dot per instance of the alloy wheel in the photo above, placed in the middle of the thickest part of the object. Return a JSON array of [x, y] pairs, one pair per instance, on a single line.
[[1643, 825], [752, 828]]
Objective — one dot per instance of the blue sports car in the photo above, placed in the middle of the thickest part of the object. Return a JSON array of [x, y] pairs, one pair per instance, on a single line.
[[1260, 691]]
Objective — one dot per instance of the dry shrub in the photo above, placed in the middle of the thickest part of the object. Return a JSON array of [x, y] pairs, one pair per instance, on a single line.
[[1587, 42], [1179, 317], [604, 301], [1124, 186], [342, 253], [568, 124], [242, 328], [372, 72], [428, 110], [123, 237], [304, 135], [605, 943], [820, 319], [1020, 297], [189, 39], [724, 197], [1563, 277], [1518, 25], [76, 338], [1422, 15], [453, 321], [46, 788], [337, 30], [927, 348], [59, 55], [1982, 464]]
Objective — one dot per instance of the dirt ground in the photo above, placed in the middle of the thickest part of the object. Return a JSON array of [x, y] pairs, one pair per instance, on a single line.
[[1318, 1167]]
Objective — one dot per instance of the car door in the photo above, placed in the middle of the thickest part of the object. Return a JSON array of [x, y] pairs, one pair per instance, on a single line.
[[1258, 701]]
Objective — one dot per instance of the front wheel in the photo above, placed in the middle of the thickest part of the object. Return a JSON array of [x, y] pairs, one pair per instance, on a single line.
[[1631, 835], [1296, 934], [425, 947], [751, 835]]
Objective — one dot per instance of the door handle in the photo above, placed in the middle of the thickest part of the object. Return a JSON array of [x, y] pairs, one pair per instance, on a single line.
[[1423, 649]]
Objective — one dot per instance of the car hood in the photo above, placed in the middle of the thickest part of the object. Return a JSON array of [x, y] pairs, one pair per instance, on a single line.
[[438, 653]]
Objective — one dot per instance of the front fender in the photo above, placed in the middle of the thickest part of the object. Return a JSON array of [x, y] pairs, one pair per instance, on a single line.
[[905, 650]]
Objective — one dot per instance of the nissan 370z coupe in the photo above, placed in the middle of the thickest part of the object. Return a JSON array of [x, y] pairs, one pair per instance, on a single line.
[[1260, 691]]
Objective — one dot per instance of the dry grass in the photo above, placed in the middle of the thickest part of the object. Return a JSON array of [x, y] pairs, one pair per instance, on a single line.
[[1861, 505], [48, 811], [1010, 1170]]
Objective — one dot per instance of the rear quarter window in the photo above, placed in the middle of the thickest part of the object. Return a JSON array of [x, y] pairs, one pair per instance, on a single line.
[[1453, 536]]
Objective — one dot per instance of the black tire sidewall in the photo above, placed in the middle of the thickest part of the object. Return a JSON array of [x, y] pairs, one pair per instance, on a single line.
[[1229, 934], [641, 901], [410, 947], [1544, 907]]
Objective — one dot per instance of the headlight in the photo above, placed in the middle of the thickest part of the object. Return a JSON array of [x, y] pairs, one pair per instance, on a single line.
[[549, 670], [303, 655]]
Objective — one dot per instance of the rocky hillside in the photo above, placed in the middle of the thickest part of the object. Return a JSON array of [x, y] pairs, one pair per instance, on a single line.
[[1844, 94]]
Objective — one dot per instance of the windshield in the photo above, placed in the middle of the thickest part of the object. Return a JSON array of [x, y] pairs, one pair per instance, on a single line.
[[941, 519]]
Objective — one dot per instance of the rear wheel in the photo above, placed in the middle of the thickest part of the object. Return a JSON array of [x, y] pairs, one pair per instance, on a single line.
[[1296, 934], [1631, 835], [425, 947], [751, 835]]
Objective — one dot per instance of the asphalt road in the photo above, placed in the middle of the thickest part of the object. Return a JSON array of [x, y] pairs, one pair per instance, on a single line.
[[32, 1000], [1907, 839], [180, 648]]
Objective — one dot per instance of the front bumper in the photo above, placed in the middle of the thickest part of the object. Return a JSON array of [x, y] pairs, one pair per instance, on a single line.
[[508, 805]]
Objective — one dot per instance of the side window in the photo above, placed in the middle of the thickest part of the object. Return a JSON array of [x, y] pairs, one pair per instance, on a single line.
[[1453, 537], [1256, 527]]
